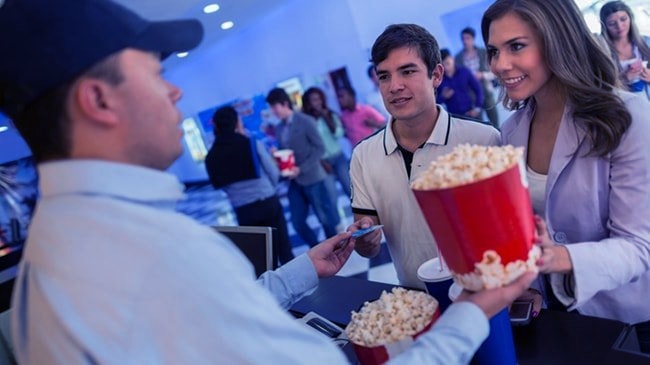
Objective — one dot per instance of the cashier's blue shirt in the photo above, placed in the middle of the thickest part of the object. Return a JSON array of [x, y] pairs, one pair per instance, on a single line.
[[111, 274]]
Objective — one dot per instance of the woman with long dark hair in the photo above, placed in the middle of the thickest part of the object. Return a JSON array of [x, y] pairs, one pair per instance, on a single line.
[[329, 127], [628, 47], [586, 155]]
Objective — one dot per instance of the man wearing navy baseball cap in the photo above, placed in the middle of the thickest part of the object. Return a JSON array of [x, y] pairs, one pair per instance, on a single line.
[[111, 274]]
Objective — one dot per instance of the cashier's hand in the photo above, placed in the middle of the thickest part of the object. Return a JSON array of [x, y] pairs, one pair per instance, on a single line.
[[555, 258], [492, 301], [329, 256], [367, 245]]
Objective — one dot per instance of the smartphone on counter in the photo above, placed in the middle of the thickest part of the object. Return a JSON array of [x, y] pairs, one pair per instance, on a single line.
[[521, 313]]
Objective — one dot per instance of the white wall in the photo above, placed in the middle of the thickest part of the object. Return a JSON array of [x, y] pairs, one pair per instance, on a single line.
[[306, 38], [371, 18]]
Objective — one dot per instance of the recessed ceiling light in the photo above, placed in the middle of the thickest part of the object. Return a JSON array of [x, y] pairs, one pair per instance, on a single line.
[[4, 128], [227, 25], [210, 8], [182, 54]]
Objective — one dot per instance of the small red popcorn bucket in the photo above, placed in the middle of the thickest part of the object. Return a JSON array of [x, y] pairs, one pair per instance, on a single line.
[[286, 161], [381, 354], [494, 213]]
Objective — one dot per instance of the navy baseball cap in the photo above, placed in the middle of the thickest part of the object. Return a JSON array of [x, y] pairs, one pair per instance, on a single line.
[[45, 43]]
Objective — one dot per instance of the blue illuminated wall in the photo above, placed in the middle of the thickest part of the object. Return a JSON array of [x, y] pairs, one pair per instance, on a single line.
[[468, 16]]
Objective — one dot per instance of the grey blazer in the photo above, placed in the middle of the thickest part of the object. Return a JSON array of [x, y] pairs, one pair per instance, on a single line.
[[600, 208], [300, 134]]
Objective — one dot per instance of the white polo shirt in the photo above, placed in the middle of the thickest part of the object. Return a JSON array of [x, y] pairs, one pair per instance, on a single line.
[[381, 187]]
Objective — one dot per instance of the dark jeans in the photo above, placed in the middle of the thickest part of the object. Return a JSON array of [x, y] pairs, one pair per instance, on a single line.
[[268, 213], [317, 196]]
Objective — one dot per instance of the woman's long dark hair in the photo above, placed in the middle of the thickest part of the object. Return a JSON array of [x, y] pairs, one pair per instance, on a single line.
[[582, 68], [307, 108], [633, 36]]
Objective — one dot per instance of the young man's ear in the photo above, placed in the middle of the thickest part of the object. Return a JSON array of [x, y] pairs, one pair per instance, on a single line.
[[94, 99], [437, 74]]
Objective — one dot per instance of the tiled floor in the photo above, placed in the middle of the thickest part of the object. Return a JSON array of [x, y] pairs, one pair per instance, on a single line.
[[211, 207]]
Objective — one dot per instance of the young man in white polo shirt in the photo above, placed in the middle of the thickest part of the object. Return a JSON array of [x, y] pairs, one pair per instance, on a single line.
[[408, 65]]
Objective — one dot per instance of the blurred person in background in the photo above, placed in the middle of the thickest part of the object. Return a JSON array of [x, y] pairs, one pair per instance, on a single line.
[[459, 90], [247, 173], [587, 159], [329, 126], [373, 98], [475, 59], [629, 49], [308, 185], [359, 120]]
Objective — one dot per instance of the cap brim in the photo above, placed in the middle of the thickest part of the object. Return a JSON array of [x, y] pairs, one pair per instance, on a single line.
[[170, 36]]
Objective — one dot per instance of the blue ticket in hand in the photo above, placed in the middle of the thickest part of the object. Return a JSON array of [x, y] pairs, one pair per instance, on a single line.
[[361, 232]]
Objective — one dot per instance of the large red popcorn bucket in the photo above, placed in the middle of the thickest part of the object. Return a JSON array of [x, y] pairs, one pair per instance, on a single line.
[[381, 354], [490, 214]]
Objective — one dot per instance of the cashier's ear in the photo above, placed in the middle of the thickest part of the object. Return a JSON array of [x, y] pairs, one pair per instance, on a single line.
[[95, 100]]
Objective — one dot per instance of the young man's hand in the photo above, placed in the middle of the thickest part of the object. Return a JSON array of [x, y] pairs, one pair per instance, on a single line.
[[367, 245]]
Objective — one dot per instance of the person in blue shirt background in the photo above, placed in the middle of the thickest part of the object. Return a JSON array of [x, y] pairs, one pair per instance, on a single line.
[[459, 90]]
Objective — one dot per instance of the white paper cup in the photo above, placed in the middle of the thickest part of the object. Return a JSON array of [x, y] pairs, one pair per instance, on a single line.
[[437, 280]]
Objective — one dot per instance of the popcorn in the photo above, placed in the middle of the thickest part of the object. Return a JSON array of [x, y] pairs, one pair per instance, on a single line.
[[392, 317], [467, 164], [491, 273], [477, 205]]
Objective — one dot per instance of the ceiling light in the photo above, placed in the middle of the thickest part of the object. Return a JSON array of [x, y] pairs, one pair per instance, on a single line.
[[210, 8], [4, 128], [227, 25], [182, 54]]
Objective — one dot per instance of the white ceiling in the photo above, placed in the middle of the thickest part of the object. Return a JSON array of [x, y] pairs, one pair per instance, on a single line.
[[243, 13]]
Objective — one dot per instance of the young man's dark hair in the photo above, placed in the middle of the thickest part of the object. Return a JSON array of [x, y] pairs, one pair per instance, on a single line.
[[278, 96], [468, 30], [225, 120], [407, 35]]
